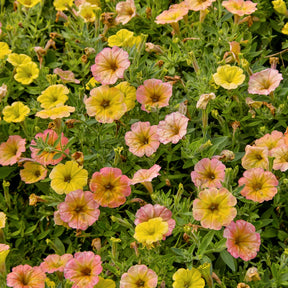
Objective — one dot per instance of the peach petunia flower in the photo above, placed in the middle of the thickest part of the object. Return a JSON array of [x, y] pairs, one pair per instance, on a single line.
[[106, 104], [208, 173], [259, 186], [11, 150], [142, 139], [154, 93], [150, 211], [242, 240], [173, 128], [110, 65], [139, 275], [79, 209], [214, 208], [240, 7], [83, 269], [110, 187], [125, 11], [255, 157], [264, 82], [271, 141], [197, 5], [49, 137], [23, 276], [66, 76], [60, 111], [281, 158], [33, 172], [172, 15], [55, 262]]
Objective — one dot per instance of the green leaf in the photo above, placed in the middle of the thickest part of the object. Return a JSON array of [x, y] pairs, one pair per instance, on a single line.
[[30, 229], [205, 242], [6, 171], [228, 260]]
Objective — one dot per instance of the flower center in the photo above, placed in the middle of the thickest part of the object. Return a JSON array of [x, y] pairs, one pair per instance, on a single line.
[[67, 178], [105, 103], [145, 140], [155, 98], [257, 186], [211, 175], [213, 207], [86, 271], [113, 66], [109, 186], [186, 284], [25, 279], [258, 157], [79, 209], [37, 173]]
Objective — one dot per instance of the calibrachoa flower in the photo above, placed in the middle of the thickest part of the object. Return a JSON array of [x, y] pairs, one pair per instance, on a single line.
[[2, 220], [4, 251], [139, 276], [173, 128], [83, 269], [150, 211], [105, 283], [121, 38], [11, 150], [185, 278], [214, 208], [18, 59], [172, 15], [24, 276], [264, 82], [129, 94], [255, 157], [4, 50], [197, 5], [26, 73], [79, 209], [125, 11], [151, 231], [208, 173], [55, 262], [60, 111], [33, 172], [240, 7], [229, 77], [106, 104], [110, 187], [142, 139], [15, 113], [281, 158], [271, 141], [242, 240], [66, 76], [49, 137], [29, 3], [110, 65], [154, 93], [259, 186], [86, 12], [68, 177], [61, 5]]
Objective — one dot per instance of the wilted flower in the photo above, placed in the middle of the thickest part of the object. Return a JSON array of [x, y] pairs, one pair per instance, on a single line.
[[252, 275], [33, 172], [4, 251], [255, 157], [204, 100], [240, 7], [4, 50], [15, 113], [66, 76], [26, 73], [55, 262], [3, 91], [2, 220], [281, 158], [271, 141], [185, 278], [125, 11], [197, 5]]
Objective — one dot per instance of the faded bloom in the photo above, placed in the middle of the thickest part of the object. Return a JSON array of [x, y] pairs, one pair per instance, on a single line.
[[4, 50], [214, 208], [142, 139], [208, 173], [255, 157], [110, 187], [240, 7], [129, 94], [15, 113], [185, 278], [173, 129], [55, 262], [172, 15], [18, 59], [11, 150], [66, 76], [204, 100], [229, 77], [252, 274], [126, 10], [264, 82], [242, 240], [33, 172], [271, 141], [281, 158], [3, 91], [110, 65], [259, 186], [154, 93], [83, 269], [139, 276], [197, 5], [26, 73]]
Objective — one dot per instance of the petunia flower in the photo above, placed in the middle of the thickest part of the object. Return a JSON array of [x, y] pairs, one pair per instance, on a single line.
[[4, 251], [242, 240], [29, 3], [4, 50], [126, 10], [259, 186], [240, 7], [281, 158], [18, 59], [86, 12], [105, 283], [255, 157], [15, 113], [66, 76], [185, 278], [54, 262], [197, 5], [142, 139], [121, 38], [32, 172], [60, 111], [26, 73], [129, 93], [61, 5], [172, 16], [271, 141], [214, 208]]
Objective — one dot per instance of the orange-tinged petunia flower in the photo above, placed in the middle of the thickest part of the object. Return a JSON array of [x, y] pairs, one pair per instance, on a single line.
[[197, 5], [126, 10], [240, 7], [271, 141], [172, 15], [281, 158], [255, 157], [33, 172], [55, 262]]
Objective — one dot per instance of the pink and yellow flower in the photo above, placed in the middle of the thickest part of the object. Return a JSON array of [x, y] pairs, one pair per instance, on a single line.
[[173, 128], [240, 7], [172, 15], [153, 94], [255, 157], [271, 141], [281, 158], [242, 240], [55, 262], [208, 173], [259, 186], [110, 65], [139, 276], [33, 172], [49, 137], [197, 5], [126, 10], [214, 208], [83, 269], [110, 187], [66, 76], [142, 139], [79, 209], [24, 276], [264, 82], [11, 150], [60, 111]]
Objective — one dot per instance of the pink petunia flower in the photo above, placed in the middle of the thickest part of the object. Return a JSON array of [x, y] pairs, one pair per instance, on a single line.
[[126, 11], [208, 173], [55, 262], [264, 82], [150, 211], [242, 240], [259, 186], [240, 7], [110, 65], [153, 94], [281, 158], [173, 129], [83, 269], [66, 76], [24, 276], [142, 139], [11, 150], [271, 141], [110, 187], [79, 209], [197, 5]]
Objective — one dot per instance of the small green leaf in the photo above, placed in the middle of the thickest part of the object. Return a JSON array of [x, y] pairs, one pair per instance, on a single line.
[[228, 260], [205, 242]]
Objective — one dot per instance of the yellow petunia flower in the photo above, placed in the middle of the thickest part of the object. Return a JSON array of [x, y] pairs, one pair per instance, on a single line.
[[105, 283], [61, 5], [86, 11], [122, 38], [16, 112], [280, 7], [29, 3], [4, 50], [2, 220], [26, 73], [285, 29], [56, 112], [18, 59], [185, 278], [129, 94], [91, 84], [32, 172]]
